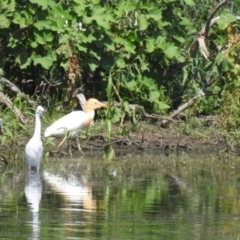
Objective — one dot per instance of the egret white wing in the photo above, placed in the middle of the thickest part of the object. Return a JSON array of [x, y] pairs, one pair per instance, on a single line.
[[71, 122]]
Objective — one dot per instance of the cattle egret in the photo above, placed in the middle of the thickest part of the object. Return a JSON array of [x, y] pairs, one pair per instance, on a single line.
[[34, 148], [74, 121]]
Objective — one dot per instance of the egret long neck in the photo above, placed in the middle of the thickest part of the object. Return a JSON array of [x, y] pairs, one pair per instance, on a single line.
[[90, 117], [37, 131], [90, 113]]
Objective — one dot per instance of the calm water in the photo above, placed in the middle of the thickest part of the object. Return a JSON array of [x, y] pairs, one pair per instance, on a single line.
[[140, 197]]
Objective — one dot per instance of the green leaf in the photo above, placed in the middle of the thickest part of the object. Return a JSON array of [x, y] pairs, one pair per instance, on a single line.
[[162, 105], [154, 13], [143, 23], [19, 19], [33, 44], [154, 95], [41, 3], [150, 45], [190, 2], [144, 65], [227, 63], [188, 25], [126, 107], [88, 39], [225, 20], [24, 60], [93, 66], [45, 62], [47, 36], [120, 63], [130, 85], [172, 52], [115, 115], [4, 22], [41, 25], [39, 38]]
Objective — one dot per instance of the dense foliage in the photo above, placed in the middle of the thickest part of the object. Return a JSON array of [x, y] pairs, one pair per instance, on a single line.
[[130, 51]]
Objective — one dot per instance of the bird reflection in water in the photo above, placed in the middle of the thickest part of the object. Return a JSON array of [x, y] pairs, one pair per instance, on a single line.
[[76, 193], [33, 193]]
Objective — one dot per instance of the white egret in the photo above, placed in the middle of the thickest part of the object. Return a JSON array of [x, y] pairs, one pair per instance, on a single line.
[[74, 121], [34, 148]]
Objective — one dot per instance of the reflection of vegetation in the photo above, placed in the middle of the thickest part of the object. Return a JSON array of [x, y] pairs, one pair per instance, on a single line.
[[145, 198]]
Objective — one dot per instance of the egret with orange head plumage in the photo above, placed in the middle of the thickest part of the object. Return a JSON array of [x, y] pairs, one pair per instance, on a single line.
[[74, 121]]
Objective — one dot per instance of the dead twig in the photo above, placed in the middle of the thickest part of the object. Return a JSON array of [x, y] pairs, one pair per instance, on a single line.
[[185, 105], [4, 99]]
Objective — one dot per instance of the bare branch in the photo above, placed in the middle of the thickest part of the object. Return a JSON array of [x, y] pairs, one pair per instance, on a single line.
[[185, 105], [207, 26], [8, 102]]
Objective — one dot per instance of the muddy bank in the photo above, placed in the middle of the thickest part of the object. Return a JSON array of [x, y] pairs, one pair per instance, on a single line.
[[145, 137], [151, 140]]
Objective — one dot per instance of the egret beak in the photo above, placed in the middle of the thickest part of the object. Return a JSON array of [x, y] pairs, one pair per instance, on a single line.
[[103, 105]]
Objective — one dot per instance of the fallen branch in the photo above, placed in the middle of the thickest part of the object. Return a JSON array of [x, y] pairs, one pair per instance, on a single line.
[[185, 105], [5, 82], [4, 99]]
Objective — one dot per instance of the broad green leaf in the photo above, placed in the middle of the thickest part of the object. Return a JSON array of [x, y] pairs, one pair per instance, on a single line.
[[24, 60], [180, 39], [65, 65], [150, 45], [42, 3], [93, 66], [172, 52], [19, 19], [4, 22], [81, 48], [39, 39], [88, 39], [120, 63], [45, 62], [144, 65], [33, 44], [190, 2], [143, 23], [227, 63], [154, 13], [188, 25], [225, 20], [162, 105], [116, 115], [126, 107], [47, 36], [41, 25], [130, 47], [126, 44], [9, 5], [130, 85], [154, 95]]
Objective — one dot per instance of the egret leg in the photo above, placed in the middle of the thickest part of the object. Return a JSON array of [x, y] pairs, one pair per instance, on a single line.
[[69, 148], [61, 143], [79, 147]]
